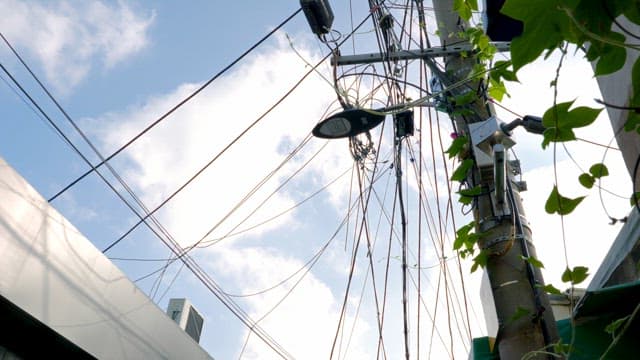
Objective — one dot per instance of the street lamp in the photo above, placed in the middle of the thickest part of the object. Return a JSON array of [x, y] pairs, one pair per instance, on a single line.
[[347, 123]]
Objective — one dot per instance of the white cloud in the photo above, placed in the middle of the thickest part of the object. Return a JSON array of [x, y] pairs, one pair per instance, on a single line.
[[168, 155], [164, 158], [588, 233], [305, 322], [68, 37]]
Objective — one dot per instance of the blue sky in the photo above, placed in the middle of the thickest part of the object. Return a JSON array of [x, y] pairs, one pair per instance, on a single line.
[[117, 66]]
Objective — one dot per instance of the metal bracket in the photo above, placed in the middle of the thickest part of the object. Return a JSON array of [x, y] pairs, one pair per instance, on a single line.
[[484, 135], [436, 51]]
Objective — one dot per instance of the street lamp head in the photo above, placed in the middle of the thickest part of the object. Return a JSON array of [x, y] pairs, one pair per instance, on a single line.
[[347, 123]]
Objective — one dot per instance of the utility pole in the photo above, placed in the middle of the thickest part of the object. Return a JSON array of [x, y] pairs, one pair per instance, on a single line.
[[505, 234]]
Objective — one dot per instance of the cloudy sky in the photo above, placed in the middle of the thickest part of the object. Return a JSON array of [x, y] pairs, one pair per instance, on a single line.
[[275, 204]]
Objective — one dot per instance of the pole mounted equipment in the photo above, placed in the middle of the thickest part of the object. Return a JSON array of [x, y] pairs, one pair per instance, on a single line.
[[403, 122], [318, 14], [532, 124]]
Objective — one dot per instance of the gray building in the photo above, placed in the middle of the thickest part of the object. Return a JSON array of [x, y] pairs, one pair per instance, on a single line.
[[56, 287]]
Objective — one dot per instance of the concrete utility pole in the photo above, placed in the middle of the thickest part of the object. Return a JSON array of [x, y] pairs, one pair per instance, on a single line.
[[499, 216], [505, 235]]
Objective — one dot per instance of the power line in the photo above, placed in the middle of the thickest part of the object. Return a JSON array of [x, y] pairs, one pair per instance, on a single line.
[[264, 114], [203, 276], [185, 100], [172, 245], [199, 172], [93, 147]]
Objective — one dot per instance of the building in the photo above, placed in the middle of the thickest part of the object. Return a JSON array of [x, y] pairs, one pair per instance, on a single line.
[[60, 297]]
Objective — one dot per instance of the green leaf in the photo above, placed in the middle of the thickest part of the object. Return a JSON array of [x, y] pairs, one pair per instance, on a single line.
[[545, 27], [635, 77], [464, 236], [473, 4], [480, 260], [550, 289], [553, 134], [575, 276], [501, 70], [467, 195], [635, 199], [465, 200], [557, 203], [611, 57], [559, 116], [457, 243], [464, 99], [457, 145], [552, 116], [497, 90], [466, 253], [580, 117], [460, 173], [561, 348], [599, 170], [633, 12], [559, 122], [586, 180], [615, 325], [519, 314], [474, 191], [461, 7], [533, 261]]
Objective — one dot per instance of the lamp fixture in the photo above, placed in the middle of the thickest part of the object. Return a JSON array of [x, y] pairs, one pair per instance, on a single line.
[[347, 123]]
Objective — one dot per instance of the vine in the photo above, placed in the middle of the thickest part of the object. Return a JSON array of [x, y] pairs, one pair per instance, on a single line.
[[550, 25]]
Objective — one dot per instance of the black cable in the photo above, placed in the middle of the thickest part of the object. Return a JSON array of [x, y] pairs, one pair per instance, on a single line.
[[200, 274], [69, 142], [352, 265], [615, 21], [633, 184], [185, 100], [199, 172], [403, 223], [170, 260], [202, 240], [381, 76], [139, 202], [30, 106], [531, 275], [91, 145], [172, 245], [295, 86]]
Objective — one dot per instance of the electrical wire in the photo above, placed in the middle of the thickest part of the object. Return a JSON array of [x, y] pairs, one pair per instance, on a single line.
[[200, 274], [246, 130], [353, 257], [184, 101], [91, 145]]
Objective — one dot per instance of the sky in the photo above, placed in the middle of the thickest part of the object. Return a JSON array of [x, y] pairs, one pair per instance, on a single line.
[[117, 66]]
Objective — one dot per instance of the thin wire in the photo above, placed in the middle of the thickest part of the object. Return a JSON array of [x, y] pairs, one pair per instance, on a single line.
[[185, 100], [403, 222], [353, 258], [199, 172], [194, 267], [294, 87], [30, 106], [311, 263], [75, 148], [91, 145]]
